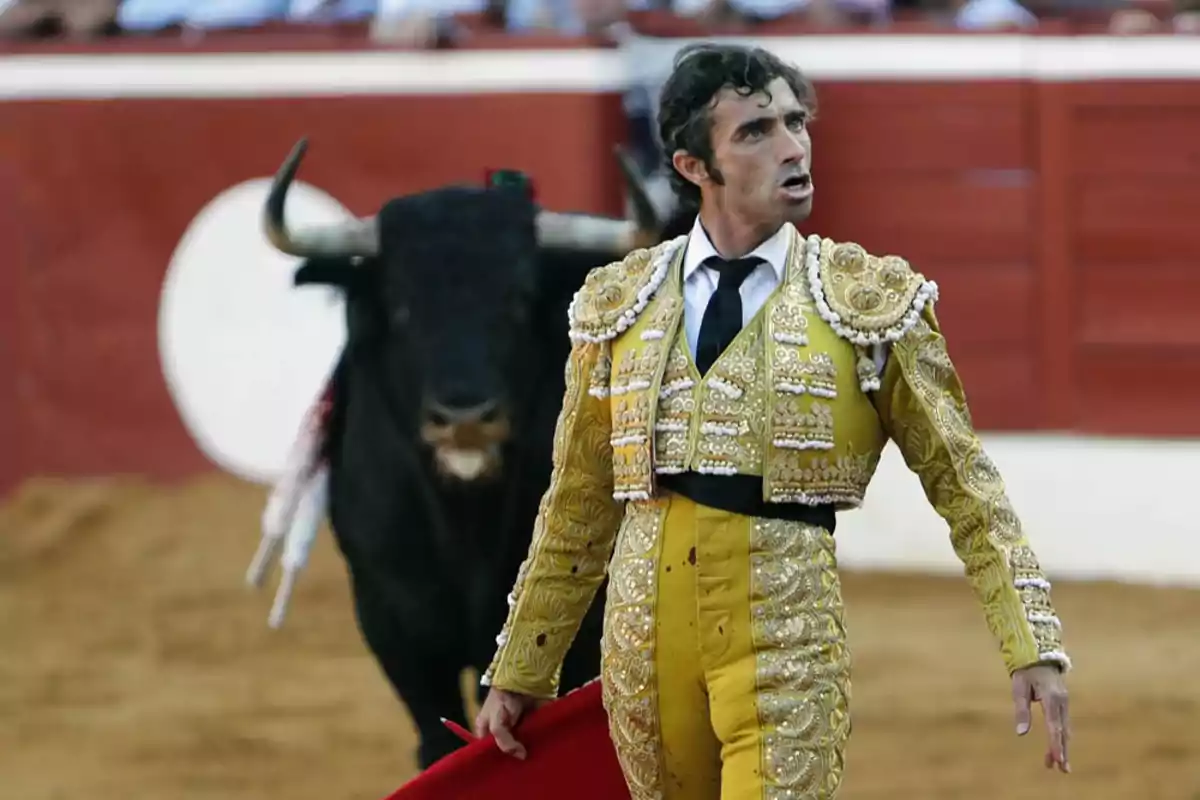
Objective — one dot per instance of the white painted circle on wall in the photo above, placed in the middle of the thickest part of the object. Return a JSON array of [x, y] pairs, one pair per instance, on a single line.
[[243, 351]]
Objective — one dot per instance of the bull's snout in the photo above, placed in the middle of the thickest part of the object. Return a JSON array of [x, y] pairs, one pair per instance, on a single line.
[[445, 414], [465, 439]]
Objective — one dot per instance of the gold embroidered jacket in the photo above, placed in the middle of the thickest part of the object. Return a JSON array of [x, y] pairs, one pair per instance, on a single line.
[[845, 354]]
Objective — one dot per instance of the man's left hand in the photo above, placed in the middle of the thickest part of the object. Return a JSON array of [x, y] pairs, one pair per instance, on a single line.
[[1043, 683]]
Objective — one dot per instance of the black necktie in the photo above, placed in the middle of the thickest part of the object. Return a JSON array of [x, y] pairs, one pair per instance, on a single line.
[[723, 317]]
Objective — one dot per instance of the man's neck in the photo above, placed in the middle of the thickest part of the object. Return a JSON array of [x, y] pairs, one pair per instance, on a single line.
[[732, 237]]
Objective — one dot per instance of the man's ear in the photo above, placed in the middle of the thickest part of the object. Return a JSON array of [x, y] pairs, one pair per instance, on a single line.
[[690, 167]]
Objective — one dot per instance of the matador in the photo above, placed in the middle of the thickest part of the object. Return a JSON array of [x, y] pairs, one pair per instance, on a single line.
[[728, 393]]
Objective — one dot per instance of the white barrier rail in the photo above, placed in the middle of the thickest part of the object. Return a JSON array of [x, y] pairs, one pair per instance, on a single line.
[[1093, 508], [825, 58]]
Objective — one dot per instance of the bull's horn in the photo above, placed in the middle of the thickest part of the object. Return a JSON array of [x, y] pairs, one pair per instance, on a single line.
[[357, 237], [644, 214], [587, 232]]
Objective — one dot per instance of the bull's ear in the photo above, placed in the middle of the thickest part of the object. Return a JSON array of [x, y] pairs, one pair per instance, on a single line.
[[338, 272]]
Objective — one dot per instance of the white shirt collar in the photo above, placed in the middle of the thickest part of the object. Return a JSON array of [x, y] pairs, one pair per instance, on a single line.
[[774, 250]]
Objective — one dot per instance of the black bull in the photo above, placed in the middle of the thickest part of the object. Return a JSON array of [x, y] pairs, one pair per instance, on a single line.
[[445, 400]]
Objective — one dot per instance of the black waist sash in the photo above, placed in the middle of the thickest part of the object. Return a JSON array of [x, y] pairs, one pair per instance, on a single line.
[[742, 494]]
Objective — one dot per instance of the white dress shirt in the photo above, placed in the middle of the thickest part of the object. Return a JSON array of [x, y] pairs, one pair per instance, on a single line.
[[700, 283]]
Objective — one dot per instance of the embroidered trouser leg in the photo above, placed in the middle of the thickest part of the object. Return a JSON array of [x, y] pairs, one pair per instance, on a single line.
[[726, 673]]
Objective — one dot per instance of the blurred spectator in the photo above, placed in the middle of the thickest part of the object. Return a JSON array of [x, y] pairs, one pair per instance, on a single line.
[[749, 12], [599, 15], [1187, 21], [1181, 16], [568, 17], [1133, 21], [421, 23], [429, 23], [992, 14], [417, 22], [330, 10], [154, 15], [48, 17]]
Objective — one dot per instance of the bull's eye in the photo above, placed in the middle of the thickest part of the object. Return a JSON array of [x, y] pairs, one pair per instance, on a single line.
[[490, 416], [438, 418]]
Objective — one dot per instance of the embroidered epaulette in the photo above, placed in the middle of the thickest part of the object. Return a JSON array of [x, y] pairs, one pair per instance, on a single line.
[[613, 296], [866, 299]]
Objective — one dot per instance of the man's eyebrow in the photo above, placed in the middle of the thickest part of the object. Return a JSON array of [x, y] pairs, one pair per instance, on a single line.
[[758, 122]]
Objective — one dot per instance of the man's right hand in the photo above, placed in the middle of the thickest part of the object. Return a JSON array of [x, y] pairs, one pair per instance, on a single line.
[[500, 713]]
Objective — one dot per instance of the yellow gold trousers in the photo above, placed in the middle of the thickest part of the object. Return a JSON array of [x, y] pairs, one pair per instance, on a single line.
[[726, 673]]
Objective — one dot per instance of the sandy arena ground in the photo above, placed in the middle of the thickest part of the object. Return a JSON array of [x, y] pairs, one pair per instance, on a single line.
[[134, 664]]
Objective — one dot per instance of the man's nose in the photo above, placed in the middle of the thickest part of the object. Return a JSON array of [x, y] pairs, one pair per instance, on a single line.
[[793, 149]]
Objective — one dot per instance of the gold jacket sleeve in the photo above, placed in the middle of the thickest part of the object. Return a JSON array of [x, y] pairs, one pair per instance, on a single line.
[[924, 410], [573, 538]]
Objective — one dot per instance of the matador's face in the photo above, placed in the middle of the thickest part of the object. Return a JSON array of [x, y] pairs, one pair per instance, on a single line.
[[763, 152]]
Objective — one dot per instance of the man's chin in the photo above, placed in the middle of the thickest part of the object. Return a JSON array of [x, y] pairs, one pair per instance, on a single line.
[[799, 210]]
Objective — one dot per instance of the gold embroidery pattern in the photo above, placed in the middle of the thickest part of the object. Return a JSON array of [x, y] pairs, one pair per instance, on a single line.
[[867, 370], [676, 406], [677, 366], [613, 296], [740, 364], [630, 689], [866, 299], [660, 322], [641, 357], [789, 324], [732, 410], [795, 373], [767, 407], [806, 461], [631, 465], [636, 369], [630, 415], [573, 538], [927, 415], [803, 660], [789, 317], [1034, 589], [601, 374], [797, 477], [802, 424], [632, 407]]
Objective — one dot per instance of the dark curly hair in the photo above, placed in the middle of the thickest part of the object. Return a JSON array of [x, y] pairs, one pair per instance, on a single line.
[[701, 71]]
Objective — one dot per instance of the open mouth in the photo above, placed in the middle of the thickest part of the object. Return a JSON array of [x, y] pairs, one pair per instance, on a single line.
[[798, 182]]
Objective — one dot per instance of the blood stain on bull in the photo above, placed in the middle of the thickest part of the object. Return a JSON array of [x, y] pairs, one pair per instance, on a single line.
[[441, 413]]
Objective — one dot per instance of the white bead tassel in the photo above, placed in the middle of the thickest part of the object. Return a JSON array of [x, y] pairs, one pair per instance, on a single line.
[[279, 515], [306, 523], [868, 370], [268, 547], [285, 496]]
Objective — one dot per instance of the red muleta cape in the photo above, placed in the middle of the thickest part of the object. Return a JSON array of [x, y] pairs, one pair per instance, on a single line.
[[570, 757]]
